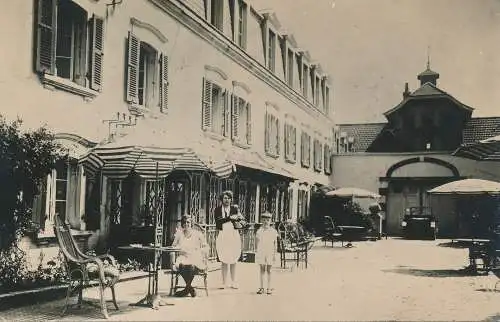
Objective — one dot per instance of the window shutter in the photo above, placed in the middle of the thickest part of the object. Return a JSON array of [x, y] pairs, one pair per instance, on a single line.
[[46, 36], [266, 132], [287, 126], [39, 203], [227, 114], [244, 31], [278, 137], [302, 155], [163, 82], [133, 68], [97, 38], [234, 117], [249, 123], [206, 105], [294, 143]]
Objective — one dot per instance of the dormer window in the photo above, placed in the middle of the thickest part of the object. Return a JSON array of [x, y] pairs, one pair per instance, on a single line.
[[242, 24], [271, 47], [217, 14]]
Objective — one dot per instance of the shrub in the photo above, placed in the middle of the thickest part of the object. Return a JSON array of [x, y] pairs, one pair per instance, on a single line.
[[25, 160]]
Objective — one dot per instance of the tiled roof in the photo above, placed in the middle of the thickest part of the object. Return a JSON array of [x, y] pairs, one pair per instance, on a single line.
[[428, 72], [480, 128], [476, 129], [428, 90], [363, 134]]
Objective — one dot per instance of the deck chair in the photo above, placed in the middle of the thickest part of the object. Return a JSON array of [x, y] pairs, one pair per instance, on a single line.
[[332, 232], [84, 270], [174, 280]]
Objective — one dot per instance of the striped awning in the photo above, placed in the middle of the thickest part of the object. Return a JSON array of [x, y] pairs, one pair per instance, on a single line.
[[148, 162], [485, 150], [91, 163]]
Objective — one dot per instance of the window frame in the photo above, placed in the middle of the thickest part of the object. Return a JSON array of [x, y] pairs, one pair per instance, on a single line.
[[91, 51]]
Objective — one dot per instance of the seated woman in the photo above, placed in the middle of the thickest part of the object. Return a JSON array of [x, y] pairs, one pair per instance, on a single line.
[[193, 252]]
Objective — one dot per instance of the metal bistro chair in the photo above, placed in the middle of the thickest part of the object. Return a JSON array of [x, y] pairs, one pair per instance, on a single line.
[[332, 232], [84, 270], [174, 281]]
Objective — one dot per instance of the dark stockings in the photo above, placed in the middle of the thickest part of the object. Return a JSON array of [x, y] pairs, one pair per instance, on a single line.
[[187, 272]]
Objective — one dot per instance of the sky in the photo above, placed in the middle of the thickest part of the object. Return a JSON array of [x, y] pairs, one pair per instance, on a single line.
[[370, 48]]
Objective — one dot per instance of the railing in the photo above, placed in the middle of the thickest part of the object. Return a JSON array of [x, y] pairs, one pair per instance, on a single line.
[[247, 239]]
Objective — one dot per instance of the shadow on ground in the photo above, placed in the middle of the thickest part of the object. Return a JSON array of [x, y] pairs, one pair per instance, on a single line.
[[453, 245], [495, 318], [430, 272]]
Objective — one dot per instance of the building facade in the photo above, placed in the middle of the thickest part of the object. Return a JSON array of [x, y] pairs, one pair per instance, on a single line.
[[411, 153], [219, 77]]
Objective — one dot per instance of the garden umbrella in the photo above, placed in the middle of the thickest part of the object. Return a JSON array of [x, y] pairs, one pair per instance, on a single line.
[[350, 192], [468, 187]]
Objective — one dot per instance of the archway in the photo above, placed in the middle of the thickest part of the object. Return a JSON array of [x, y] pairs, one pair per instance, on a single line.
[[406, 184]]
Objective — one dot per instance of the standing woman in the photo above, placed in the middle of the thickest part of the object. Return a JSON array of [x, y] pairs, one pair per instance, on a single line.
[[228, 243]]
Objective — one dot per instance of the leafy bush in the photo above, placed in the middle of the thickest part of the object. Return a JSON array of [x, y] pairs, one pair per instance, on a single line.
[[15, 273], [25, 160], [129, 266]]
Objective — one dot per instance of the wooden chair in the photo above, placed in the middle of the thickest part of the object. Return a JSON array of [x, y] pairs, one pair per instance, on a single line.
[[174, 280], [84, 270], [332, 232]]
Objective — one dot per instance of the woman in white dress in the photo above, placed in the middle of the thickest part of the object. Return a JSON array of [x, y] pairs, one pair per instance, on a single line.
[[228, 243], [192, 256]]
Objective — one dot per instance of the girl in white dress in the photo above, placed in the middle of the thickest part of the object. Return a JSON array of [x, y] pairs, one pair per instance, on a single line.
[[265, 256]]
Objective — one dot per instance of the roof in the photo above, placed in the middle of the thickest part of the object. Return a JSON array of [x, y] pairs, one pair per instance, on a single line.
[[476, 129], [428, 72], [363, 134], [426, 91], [480, 128]]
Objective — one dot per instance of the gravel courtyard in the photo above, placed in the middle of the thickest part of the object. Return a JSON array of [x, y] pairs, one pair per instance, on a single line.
[[391, 279]]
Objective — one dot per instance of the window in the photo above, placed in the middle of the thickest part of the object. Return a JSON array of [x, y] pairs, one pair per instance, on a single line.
[[298, 60], [305, 150], [328, 159], [241, 121], [290, 143], [272, 135], [271, 58], [318, 155], [305, 74], [242, 24], [291, 55], [69, 45], [316, 91], [147, 75], [60, 195], [327, 100], [217, 13], [215, 116]]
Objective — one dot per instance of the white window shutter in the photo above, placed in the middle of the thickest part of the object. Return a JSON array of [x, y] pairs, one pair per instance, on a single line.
[[133, 68], [46, 36], [234, 117], [163, 82], [206, 105], [227, 113], [96, 54], [249, 123]]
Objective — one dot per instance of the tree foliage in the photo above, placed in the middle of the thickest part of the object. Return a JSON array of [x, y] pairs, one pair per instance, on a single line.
[[26, 157]]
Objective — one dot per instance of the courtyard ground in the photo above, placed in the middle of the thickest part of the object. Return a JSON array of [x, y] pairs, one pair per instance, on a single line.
[[391, 279]]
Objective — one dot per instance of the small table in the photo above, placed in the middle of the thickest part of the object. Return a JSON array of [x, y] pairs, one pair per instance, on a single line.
[[152, 298], [349, 232]]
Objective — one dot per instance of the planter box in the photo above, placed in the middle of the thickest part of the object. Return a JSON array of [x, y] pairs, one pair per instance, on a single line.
[[50, 293]]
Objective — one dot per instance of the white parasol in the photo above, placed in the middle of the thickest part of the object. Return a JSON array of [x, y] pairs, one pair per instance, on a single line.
[[350, 192], [468, 187]]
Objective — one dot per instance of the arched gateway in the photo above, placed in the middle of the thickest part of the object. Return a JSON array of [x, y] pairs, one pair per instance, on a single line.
[[406, 184]]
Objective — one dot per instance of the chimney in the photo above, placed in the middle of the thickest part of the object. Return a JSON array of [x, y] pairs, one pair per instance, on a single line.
[[406, 93]]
